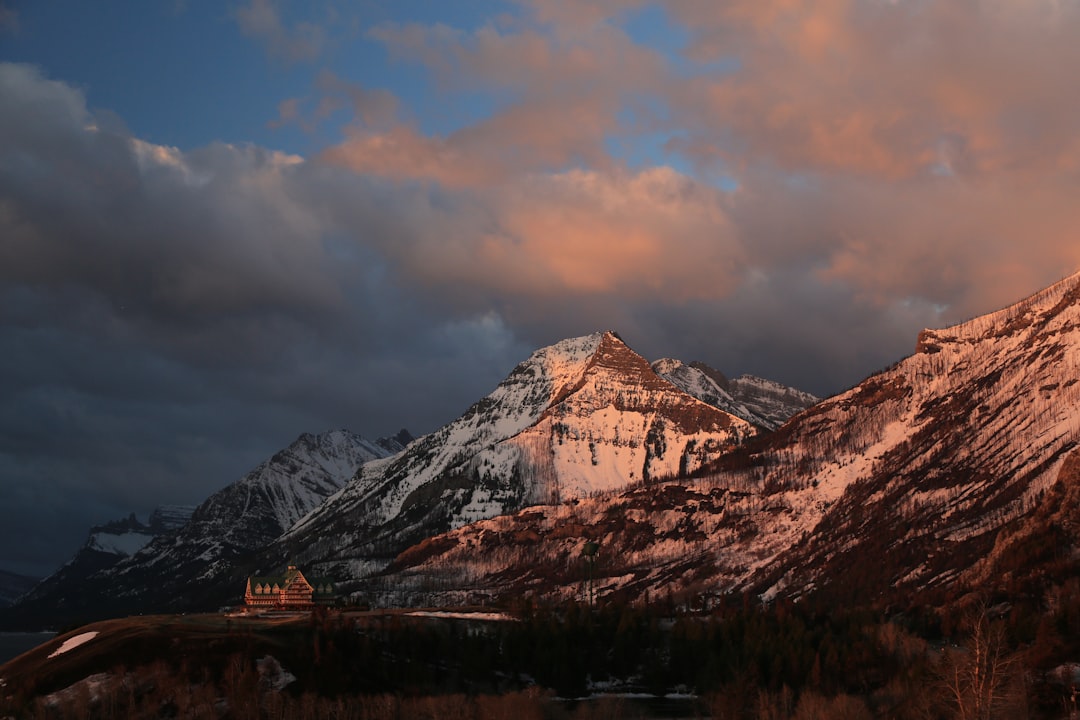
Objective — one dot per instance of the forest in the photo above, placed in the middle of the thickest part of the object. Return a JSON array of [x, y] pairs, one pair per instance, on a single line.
[[980, 658]]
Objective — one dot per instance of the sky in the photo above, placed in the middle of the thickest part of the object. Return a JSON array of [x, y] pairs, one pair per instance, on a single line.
[[224, 223]]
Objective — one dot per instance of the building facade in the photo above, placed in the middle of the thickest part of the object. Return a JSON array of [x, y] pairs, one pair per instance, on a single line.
[[291, 591]]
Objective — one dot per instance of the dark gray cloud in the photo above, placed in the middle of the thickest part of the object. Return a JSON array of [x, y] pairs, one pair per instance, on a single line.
[[168, 320]]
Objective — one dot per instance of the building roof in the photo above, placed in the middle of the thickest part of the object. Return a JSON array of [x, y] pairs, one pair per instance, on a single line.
[[320, 585]]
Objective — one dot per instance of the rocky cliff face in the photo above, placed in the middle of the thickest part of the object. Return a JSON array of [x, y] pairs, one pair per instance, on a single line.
[[584, 416], [953, 444], [764, 403], [903, 483]]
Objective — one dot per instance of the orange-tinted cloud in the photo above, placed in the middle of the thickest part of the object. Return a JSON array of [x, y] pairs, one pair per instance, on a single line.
[[558, 97], [404, 154], [907, 151], [648, 234], [523, 138], [870, 86]]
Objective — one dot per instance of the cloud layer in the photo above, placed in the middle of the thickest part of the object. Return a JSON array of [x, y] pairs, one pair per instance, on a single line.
[[810, 183]]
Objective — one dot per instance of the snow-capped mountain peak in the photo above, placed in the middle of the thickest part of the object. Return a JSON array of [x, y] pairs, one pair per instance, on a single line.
[[584, 415]]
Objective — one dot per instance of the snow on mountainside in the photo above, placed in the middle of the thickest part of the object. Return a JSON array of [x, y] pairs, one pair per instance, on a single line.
[[122, 544], [126, 537], [106, 545], [901, 484], [255, 510], [764, 403], [268, 500], [582, 416], [963, 437], [183, 562]]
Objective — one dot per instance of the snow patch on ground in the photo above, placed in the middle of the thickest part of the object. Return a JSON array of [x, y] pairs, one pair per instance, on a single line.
[[73, 642], [272, 675], [836, 476], [449, 615]]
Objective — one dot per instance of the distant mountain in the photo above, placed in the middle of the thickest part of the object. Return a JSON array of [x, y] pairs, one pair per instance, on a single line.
[[126, 567], [13, 586], [105, 546], [123, 538], [765, 403], [584, 416], [928, 477]]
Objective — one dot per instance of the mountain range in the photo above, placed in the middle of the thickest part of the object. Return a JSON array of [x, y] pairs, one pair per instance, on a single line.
[[765, 403], [105, 546], [581, 417], [930, 477], [178, 560], [584, 416], [920, 480]]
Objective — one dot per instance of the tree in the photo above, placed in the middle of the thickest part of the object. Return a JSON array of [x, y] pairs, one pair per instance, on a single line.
[[978, 677]]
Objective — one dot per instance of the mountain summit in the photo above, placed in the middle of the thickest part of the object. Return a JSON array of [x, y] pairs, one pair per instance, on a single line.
[[583, 416]]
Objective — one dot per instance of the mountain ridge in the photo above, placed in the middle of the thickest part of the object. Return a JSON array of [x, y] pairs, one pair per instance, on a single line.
[[583, 416], [765, 403], [580, 416], [183, 567], [908, 477]]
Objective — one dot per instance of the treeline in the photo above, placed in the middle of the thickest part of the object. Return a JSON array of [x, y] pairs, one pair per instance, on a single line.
[[784, 662]]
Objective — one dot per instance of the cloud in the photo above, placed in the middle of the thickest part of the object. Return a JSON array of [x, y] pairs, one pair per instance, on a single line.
[[909, 150], [655, 234], [894, 149], [878, 88], [168, 319], [261, 19], [814, 181], [558, 97], [143, 224], [570, 14], [372, 109]]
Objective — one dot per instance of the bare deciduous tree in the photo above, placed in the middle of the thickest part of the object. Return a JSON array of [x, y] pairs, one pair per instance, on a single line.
[[980, 676]]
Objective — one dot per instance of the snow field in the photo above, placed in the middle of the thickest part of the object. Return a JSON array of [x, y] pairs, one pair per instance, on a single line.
[[73, 642]]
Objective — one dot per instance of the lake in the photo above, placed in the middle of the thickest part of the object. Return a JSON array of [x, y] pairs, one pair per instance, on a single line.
[[14, 644]]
